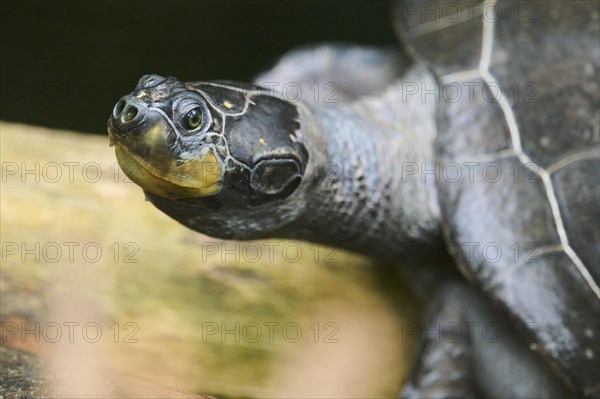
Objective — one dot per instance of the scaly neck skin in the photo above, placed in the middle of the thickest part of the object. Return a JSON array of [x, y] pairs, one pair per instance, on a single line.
[[365, 189]]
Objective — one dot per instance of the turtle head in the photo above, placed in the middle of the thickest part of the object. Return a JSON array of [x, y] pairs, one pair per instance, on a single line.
[[156, 131], [209, 152]]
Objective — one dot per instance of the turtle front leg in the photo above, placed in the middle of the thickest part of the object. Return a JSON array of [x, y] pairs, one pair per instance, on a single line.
[[441, 369], [468, 351]]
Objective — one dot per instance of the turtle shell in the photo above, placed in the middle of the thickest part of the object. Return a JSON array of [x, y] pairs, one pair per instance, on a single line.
[[518, 122]]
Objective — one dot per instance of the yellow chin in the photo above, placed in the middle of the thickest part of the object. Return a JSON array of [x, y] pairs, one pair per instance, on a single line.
[[196, 177]]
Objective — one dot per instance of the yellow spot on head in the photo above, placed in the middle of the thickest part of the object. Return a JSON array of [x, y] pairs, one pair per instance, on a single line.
[[261, 140], [228, 105], [141, 94]]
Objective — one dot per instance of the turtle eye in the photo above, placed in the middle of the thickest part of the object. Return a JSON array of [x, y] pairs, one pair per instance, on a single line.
[[192, 119], [192, 116]]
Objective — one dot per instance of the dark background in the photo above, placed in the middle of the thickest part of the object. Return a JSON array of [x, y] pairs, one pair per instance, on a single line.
[[64, 64]]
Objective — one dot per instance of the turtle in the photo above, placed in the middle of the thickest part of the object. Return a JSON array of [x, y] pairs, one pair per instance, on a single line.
[[474, 144]]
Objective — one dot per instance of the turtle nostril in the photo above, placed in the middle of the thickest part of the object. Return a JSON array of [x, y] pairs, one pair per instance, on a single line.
[[130, 113], [119, 108]]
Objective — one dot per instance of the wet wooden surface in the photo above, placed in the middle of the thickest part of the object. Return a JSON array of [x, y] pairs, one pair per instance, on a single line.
[[104, 296]]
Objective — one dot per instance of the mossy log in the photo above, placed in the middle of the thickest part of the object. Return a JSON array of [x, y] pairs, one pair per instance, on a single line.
[[105, 296]]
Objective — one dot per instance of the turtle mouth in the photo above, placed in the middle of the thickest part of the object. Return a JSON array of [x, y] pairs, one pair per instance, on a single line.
[[146, 158], [111, 135]]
